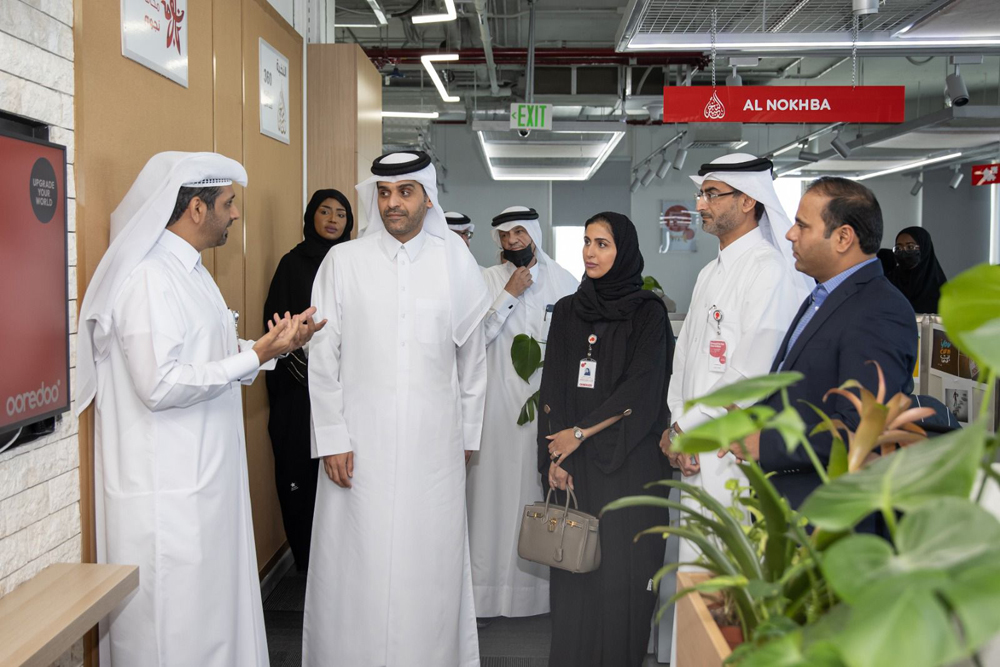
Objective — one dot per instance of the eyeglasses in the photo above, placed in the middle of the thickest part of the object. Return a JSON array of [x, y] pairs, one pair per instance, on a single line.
[[712, 196], [909, 247], [465, 235]]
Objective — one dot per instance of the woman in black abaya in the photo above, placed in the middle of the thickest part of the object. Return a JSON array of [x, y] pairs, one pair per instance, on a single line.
[[917, 273], [328, 221], [603, 442]]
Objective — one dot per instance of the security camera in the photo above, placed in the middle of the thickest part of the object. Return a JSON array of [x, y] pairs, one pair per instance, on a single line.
[[523, 133]]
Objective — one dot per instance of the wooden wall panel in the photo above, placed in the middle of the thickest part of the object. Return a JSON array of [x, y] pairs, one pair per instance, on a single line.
[[273, 223], [333, 119], [369, 145]]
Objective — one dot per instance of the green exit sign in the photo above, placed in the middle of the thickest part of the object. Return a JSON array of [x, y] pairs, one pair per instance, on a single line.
[[530, 116]]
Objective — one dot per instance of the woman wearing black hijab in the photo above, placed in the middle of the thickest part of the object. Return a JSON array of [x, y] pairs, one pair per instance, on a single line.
[[599, 434], [328, 221], [917, 273]]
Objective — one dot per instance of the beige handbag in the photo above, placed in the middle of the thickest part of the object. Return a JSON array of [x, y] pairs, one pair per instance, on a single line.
[[559, 536]]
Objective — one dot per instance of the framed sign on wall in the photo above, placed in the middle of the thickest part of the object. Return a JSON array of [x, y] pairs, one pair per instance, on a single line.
[[274, 114], [154, 34]]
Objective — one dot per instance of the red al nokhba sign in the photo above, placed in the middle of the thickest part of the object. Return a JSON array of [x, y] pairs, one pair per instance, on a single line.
[[784, 104]]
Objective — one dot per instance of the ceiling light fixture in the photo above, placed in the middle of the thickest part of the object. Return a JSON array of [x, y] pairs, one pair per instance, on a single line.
[[679, 158], [808, 156], [648, 178], [956, 89], [837, 44], [740, 145], [410, 114], [908, 166], [636, 184], [664, 168], [428, 61], [956, 180], [356, 26], [840, 146], [449, 15], [915, 190]]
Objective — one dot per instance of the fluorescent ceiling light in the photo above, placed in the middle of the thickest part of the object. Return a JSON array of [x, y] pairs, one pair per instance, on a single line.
[[379, 14], [356, 26], [410, 114], [908, 166], [838, 44], [789, 147], [449, 15], [740, 145], [554, 174], [434, 58]]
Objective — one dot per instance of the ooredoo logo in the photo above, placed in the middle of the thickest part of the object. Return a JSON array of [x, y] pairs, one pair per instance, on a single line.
[[30, 400]]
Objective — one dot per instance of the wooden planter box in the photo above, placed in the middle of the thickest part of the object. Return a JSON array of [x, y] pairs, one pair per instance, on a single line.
[[699, 641]]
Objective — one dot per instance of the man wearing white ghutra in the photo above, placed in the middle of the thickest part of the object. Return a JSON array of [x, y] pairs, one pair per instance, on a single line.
[[397, 382]]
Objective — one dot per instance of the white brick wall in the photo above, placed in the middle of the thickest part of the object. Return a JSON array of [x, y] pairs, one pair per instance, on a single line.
[[40, 482]]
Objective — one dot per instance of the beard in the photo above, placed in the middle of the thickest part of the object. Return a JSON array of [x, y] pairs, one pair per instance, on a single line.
[[406, 223], [219, 224], [717, 225]]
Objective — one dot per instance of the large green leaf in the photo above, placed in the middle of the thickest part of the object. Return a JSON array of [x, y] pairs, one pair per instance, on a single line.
[[723, 431], [526, 355], [650, 283], [749, 390], [789, 425], [904, 480], [970, 308], [528, 410], [775, 510], [945, 551]]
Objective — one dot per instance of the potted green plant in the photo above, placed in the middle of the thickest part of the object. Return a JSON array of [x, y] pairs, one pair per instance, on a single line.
[[806, 588]]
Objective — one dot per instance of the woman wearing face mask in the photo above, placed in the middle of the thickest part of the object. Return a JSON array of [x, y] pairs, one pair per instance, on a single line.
[[603, 406], [328, 221], [917, 273]]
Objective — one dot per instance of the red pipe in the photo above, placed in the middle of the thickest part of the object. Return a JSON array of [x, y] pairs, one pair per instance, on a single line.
[[506, 56]]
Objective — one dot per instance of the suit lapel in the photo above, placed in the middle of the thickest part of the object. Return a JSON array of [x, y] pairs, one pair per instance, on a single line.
[[833, 301], [779, 357]]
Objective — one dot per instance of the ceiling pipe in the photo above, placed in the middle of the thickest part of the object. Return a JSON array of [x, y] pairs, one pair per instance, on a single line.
[[530, 93], [487, 39], [544, 56]]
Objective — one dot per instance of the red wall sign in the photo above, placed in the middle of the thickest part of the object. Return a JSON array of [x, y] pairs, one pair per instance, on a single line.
[[783, 104], [34, 328], [985, 174]]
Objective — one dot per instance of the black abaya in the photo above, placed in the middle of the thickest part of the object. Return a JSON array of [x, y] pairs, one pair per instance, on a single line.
[[602, 618], [920, 284], [295, 471]]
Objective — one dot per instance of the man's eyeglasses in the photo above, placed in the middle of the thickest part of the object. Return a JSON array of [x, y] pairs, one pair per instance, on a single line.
[[712, 196], [909, 247], [465, 235]]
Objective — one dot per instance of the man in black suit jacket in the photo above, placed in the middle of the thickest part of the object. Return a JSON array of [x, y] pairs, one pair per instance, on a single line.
[[853, 316]]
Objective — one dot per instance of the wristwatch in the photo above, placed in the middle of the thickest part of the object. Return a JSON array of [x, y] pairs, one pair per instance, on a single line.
[[672, 433], [578, 434]]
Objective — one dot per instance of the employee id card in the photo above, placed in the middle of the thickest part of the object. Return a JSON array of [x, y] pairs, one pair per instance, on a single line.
[[588, 374], [717, 355]]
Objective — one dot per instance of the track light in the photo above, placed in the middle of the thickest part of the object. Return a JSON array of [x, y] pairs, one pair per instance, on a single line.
[[915, 190], [956, 180], [734, 79], [839, 145], [956, 90], [679, 158], [648, 178], [661, 171], [807, 156], [636, 183]]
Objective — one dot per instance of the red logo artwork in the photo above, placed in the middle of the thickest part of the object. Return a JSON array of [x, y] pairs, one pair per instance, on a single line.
[[174, 18], [986, 174]]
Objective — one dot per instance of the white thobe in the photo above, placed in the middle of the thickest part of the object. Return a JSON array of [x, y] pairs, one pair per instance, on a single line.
[[752, 287], [172, 492], [503, 476], [390, 583]]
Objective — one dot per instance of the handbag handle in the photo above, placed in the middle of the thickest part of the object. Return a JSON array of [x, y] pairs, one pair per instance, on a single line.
[[558, 556]]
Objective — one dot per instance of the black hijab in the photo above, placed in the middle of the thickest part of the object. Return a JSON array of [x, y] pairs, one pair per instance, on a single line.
[[291, 287], [616, 294], [921, 284], [314, 246]]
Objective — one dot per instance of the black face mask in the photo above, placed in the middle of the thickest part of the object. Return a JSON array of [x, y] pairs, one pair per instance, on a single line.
[[520, 257], [908, 259]]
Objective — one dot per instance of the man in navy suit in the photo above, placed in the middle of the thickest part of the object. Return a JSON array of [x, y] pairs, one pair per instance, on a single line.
[[853, 316]]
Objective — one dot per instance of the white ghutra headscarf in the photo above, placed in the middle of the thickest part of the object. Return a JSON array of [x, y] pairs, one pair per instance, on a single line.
[[752, 176], [470, 299], [136, 225]]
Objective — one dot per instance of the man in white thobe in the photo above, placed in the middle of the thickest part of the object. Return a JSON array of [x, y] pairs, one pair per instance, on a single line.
[[503, 476], [159, 356], [742, 304], [397, 382]]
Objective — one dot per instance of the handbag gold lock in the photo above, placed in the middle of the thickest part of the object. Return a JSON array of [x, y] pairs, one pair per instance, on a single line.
[[552, 525]]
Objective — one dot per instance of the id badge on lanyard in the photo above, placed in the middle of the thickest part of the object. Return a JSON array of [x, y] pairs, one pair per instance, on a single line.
[[588, 366], [718, 353]]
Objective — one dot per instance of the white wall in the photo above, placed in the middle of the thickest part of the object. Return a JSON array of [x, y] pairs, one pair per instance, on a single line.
[[900, 209], [958, 220], [40, 482]]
